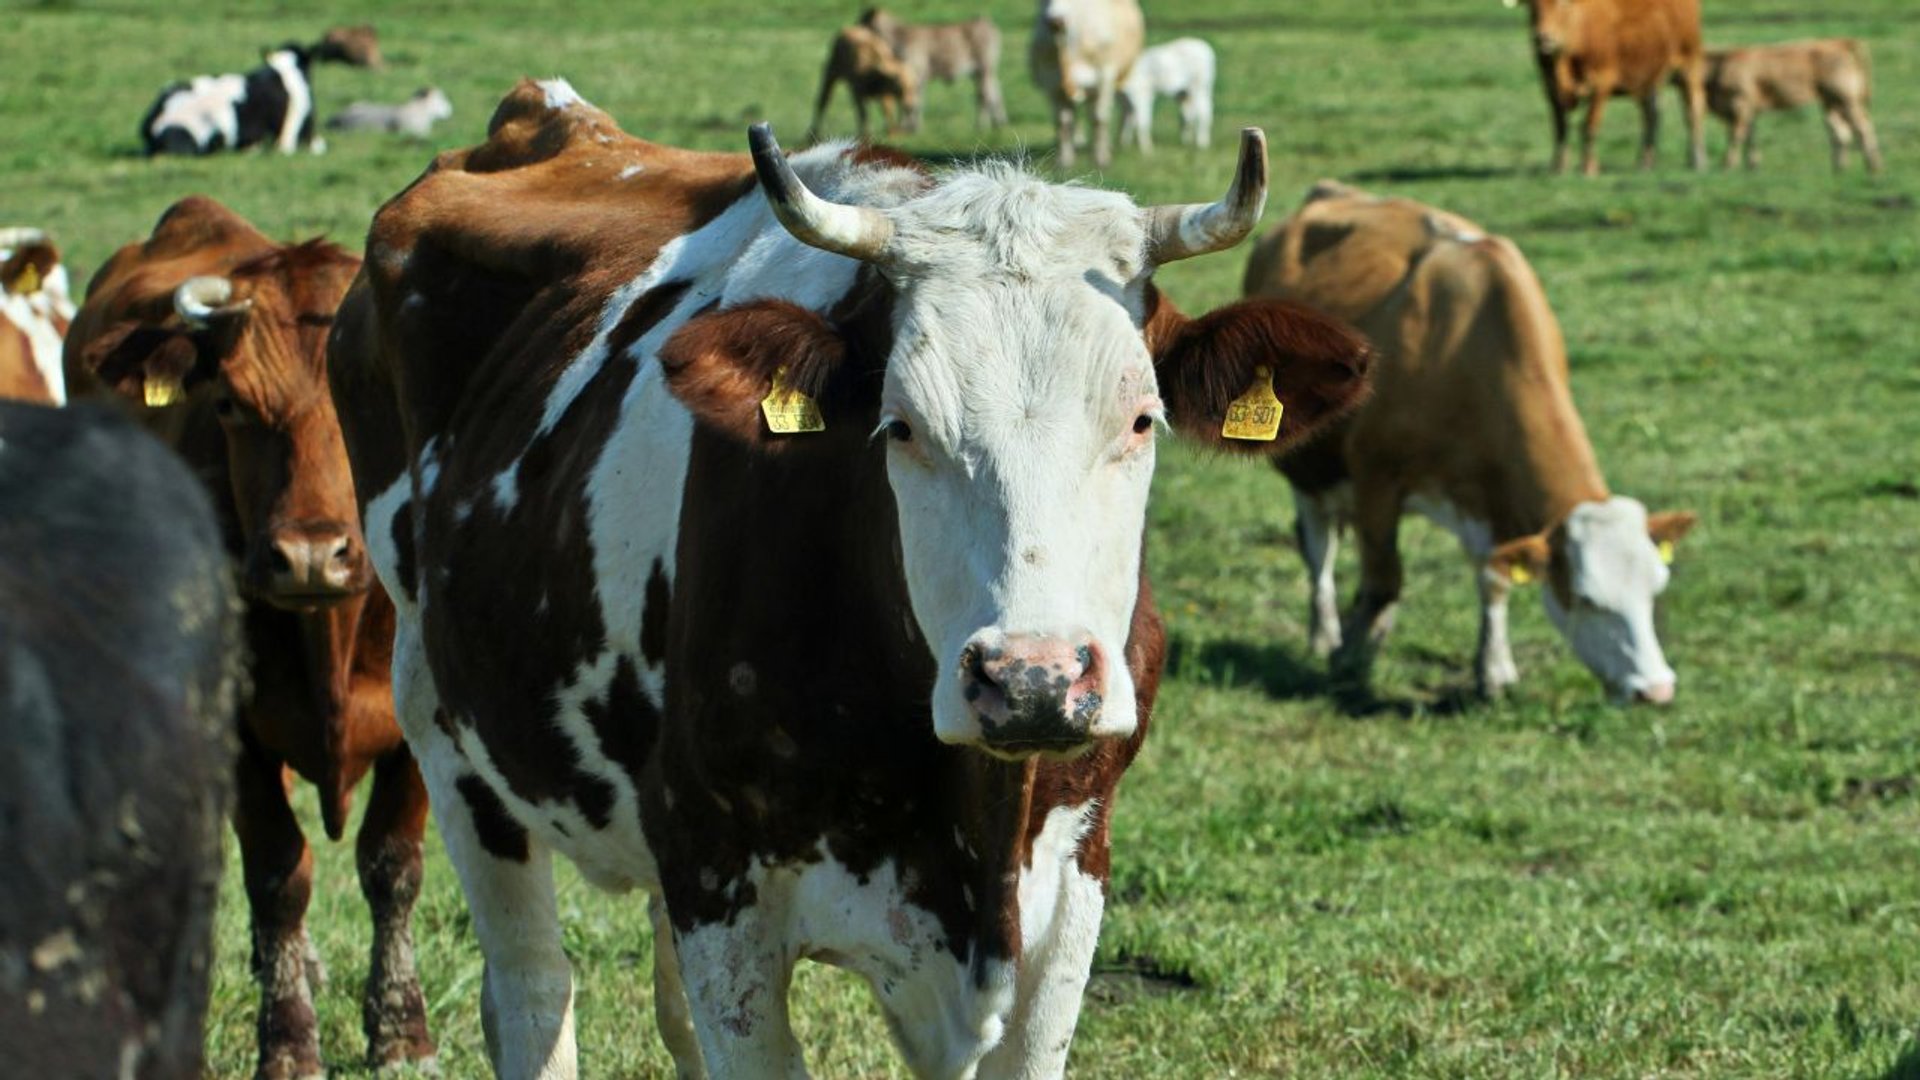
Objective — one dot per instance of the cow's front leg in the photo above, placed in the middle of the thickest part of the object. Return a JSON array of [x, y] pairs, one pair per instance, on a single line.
[[1063, 127], [393, 1013], [1590, 131], [1317, 528], [279, 875], [1493, 663], [736, 975], [1376, 527], [1103, 97]]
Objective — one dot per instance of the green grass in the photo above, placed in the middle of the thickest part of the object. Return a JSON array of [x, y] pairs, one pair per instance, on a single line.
[[1545, 887]]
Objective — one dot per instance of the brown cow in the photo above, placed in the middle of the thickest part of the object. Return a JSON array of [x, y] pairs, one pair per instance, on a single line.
[[1472, 424], [1597, 49], [1743, 82], [35, 308], [358, 46], [944, 52], [216, 336], [866, 63]]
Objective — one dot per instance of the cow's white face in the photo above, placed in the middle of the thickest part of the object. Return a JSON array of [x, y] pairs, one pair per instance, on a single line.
[[1614, 572], [1019, 414]]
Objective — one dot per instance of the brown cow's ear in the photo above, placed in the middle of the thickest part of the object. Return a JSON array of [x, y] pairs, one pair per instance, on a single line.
[[1667, 527], [1521, 561], [769, 373], [1205, 366], [150, 365], [26, 270]]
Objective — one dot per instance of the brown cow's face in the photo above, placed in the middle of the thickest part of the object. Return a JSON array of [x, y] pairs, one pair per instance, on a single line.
[[1554, 23]]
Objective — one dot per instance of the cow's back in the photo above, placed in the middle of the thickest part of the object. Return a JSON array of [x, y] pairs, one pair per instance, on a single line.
[[1652, 39]]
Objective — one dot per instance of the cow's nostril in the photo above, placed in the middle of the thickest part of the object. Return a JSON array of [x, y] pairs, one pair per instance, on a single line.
[[278, 558]]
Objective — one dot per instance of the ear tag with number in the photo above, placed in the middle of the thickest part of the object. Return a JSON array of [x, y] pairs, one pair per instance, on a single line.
[[27, 282], [161, 390], [1666, 552], [1519, 574], [788, 411], [1255, 415]]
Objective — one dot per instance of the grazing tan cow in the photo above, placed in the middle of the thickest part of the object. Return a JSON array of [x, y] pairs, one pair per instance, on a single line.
[[35, 308], [1743, 82], [866, 63], [216, 337], [1597, 49], [1083, 48], [944, 52], [1472, 424]]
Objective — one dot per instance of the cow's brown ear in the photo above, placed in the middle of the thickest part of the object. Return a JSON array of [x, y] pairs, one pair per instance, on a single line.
[[769, 373], [1521, 561], [150, 365], [26, 270], [1213, 371], [1666, 529]]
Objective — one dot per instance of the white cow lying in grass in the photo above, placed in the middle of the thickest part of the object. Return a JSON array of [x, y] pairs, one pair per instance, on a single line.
[[1182, 70]]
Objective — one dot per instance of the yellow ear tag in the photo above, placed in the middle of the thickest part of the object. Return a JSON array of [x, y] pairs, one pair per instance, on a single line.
[[1255, 415], [160, 391], [1519, 574], [1666, 552], [27, 283], [788, 411]]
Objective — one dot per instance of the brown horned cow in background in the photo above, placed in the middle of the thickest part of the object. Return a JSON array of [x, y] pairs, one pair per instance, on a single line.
[[1597, 49], [216, 336]]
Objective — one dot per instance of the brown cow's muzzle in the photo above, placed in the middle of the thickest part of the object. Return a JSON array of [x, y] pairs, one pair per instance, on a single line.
[[308, 564], [1034, 694]]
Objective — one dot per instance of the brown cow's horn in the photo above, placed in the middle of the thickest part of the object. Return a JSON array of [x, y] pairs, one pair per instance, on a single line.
[[860, 232], [200, 300], [1181, 232]]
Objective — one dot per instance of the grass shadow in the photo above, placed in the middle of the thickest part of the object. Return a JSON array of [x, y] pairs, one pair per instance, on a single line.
[[1284, 674], [1410, 174], [1905, 1067]]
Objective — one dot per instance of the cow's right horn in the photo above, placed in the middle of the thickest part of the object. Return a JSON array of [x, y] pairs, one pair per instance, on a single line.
[[1181, 232], [201, 300], [860, 232]]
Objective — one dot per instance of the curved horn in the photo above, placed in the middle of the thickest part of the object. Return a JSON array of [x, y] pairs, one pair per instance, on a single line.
[[200, 300], [19, 236], [1181, 232], [859, 232]]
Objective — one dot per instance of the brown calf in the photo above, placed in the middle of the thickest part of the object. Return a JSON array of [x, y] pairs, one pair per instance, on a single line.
[[1597, 49], [944, 52], [871, 71], [1741, 83], [355, 45], [216, 336]]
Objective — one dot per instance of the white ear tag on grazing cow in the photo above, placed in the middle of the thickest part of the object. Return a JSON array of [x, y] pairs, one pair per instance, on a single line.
[[788, 411], [1666, 552], [26, 283], [1255, 415], [161, 390]]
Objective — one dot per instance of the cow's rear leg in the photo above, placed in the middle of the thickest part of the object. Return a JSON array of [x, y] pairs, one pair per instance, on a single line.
[[1316, 526], [1376, 528], [1856, 117], [1649, 128], [737, 975], [278, 869], [1693, 94], [670, 1009], [1493, 664], [1740, 137], [393, 1013], [1840, 135]]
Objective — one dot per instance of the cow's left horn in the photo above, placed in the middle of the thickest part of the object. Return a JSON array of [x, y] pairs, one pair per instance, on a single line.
[[200, 300], [1181, 232], [860, 232]]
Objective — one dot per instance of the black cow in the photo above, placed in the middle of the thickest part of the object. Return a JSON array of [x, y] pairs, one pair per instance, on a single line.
[[272, 103], [119, 670]]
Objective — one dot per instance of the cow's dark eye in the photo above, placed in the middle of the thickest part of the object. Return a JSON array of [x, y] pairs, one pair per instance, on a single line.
[[898, 431], [224, 408], [1142, 424]]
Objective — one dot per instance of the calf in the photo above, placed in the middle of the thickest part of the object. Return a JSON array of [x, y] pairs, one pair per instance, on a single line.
[[415, 116], [944, 52], [36, 307], [1597, 49], [780, 553], [231, 112], [863, 60], [355, 45], [1182, 70], [216, 337], [1081, 48], [1472, 424], [1742, 83], [119, 666]]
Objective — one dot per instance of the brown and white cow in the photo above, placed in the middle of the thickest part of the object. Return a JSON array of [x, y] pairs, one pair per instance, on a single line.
[[1599, 49], [1836, 72], [1472, 424], [36, 306], [1080, 54], [858, 694], [216, 336]]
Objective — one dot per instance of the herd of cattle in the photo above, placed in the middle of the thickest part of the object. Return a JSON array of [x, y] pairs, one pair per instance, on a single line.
[[528, 513]]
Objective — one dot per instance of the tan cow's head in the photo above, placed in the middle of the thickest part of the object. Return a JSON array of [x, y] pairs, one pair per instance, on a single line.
[[1555, 23]]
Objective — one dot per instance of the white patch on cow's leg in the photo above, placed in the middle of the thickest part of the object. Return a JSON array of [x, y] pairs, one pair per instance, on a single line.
[[736, 976], [1060, 911], [670, 1008], [1493, 663], [299, 99], [1316, 524]]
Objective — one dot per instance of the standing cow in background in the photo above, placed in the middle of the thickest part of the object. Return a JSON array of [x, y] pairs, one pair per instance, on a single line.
[[630, 448], [944, 52], [36, 306], [1081, 52], [119, 666], [231, 112], [1472, 424], [1598, 49], [1182, 69], [863, 60], [216, 336], [1744, 82]]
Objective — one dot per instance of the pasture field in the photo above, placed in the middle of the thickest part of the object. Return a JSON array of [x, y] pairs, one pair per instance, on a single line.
[[1306, 885]]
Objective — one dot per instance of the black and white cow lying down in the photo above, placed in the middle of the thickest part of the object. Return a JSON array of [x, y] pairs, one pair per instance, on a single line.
[[119, 667], [272, 103]]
